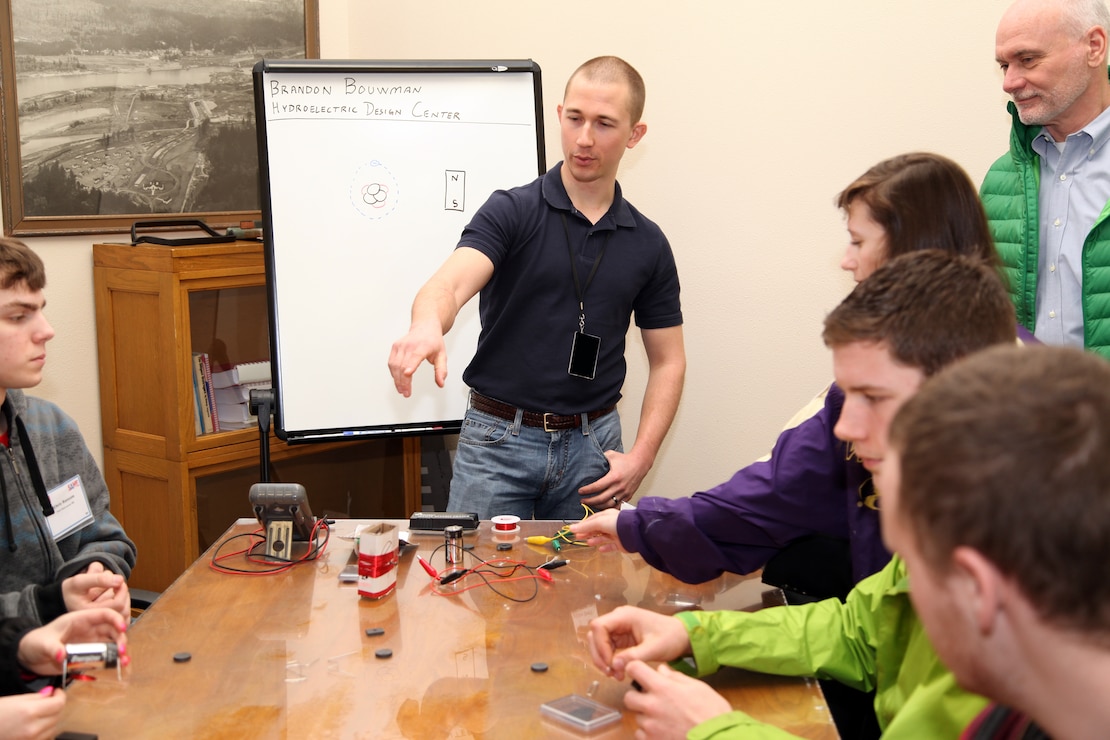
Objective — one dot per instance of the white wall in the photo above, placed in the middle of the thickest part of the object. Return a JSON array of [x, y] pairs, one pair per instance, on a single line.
[[758, 114]]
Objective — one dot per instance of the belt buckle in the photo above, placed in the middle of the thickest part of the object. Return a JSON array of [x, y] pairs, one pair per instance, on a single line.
[[546, 428]]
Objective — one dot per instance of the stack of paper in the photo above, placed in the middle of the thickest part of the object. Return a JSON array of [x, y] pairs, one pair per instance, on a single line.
[[232, 392], [248, 372]]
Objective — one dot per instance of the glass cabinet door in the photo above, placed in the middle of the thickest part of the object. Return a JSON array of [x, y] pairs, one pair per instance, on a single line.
[[227, 327]]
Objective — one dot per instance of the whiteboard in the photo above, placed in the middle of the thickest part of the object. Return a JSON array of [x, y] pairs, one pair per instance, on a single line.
[[369, 172]]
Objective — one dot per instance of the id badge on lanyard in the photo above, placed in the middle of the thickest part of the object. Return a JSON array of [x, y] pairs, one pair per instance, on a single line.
[[585, 349]]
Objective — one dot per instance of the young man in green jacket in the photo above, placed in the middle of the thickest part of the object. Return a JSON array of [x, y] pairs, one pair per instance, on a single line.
[[901, 325]]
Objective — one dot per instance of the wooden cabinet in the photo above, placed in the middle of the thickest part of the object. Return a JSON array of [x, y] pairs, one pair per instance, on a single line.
[[175, 490]]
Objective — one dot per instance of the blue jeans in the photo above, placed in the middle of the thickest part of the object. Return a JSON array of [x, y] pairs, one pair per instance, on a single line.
[[503, 467]]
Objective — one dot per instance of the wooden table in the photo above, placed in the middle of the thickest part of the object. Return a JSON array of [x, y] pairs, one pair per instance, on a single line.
[[287, 656]]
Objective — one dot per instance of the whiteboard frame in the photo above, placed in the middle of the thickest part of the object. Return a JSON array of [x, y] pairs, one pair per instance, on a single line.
[[371, 427]]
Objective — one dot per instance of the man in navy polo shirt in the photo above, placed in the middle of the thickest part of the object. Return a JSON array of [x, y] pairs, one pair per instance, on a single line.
[[562, 264]]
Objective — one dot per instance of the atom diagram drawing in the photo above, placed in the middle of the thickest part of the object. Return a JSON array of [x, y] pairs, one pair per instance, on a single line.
[[374, 190], [375, 194]]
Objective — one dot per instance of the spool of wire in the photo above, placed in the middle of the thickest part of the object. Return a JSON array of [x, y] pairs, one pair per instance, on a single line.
[[506, 523], [506, 529]]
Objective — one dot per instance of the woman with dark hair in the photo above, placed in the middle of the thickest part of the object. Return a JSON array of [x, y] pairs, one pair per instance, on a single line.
[[911, 202]]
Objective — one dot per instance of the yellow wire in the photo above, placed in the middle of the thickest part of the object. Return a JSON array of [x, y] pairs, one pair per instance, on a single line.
[[563, 534]]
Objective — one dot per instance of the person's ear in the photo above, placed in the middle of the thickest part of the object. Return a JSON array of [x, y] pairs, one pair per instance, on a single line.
[[638, 132], [1096, 48], [978, 583]]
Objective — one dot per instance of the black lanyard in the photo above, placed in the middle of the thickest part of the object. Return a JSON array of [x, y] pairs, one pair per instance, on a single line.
[[579, 291]]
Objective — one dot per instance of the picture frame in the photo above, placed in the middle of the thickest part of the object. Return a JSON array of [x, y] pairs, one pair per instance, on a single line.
[[139, 115]]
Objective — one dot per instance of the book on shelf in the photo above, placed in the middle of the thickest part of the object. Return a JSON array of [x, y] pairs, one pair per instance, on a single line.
[[206, 364], [203, 393], [241, 374], [198, 398]]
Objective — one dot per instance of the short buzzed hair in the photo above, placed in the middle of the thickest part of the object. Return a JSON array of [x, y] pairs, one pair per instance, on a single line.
[[614, 69], [19, 265], [1007, 452], [929, 308]]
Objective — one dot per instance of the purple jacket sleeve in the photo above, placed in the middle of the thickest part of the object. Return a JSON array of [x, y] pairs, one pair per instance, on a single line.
[[737, 526]]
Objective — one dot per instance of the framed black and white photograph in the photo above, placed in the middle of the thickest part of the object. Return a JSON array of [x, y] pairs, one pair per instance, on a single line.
[[115, 111]]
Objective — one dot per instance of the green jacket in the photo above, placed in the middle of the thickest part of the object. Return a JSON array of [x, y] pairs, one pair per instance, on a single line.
[[872, 641], [1009, 194]]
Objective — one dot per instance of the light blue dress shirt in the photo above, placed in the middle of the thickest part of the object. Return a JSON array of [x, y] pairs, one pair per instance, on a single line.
[[1075, 187]]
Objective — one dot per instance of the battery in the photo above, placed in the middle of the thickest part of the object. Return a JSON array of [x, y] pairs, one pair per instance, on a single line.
[[90, 655], [453, 541]]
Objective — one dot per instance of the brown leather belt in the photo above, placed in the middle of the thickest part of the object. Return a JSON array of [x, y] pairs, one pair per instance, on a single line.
[[547, 422]]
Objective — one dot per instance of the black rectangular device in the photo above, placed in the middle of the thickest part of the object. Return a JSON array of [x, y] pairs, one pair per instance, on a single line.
[[437, 521], [584, 351]]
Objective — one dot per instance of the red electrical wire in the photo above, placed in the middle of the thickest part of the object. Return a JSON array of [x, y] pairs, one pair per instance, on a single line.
[[314, 552]]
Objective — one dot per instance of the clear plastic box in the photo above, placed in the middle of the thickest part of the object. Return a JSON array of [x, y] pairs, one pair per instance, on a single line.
[[579, 712]]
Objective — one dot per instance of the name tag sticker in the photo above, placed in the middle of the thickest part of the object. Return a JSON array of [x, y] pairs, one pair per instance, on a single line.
[[71, 508]]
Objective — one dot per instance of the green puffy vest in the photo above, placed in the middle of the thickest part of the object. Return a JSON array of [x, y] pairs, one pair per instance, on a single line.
[[1009, 195]]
